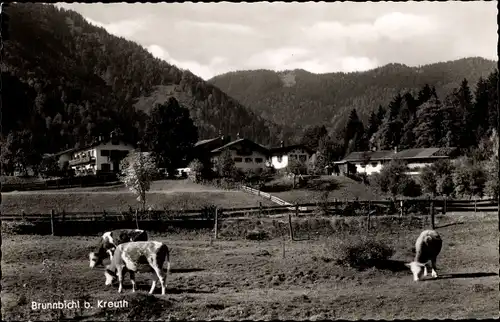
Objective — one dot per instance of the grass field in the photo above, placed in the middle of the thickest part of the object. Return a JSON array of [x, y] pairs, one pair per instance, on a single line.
[[170, 194], [245, 280], [338, 187]]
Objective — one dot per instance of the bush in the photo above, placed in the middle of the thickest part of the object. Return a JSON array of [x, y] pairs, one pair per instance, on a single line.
[[364, 254], [22, 227], [257, 235]]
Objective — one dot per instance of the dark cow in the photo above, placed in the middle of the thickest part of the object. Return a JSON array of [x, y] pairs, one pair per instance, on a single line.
[[129, 256], [109, 240]]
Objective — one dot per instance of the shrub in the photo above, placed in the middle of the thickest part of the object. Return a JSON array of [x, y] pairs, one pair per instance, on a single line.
[[363, 254], [257, 235], [22, 227]]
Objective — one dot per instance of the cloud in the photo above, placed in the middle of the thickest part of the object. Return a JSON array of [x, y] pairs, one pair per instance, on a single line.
[[216, 26], [123, 28], [395, 26], [276, 58], [289, 58], [206, 71]]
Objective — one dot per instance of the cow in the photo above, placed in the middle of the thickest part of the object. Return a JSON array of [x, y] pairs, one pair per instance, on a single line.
[[129, 255], [109, 240], [427, 248]]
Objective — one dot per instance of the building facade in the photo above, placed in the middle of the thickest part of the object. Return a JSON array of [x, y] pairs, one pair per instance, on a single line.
[[100, 157], [371, 162], [246, 154], [279, 157]]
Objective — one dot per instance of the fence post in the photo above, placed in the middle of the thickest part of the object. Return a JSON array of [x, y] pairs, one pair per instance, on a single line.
[[216, 222], [444, 206], [290, 227], [260, 208], [475, 205], [136, 220], [432, 215], [52, 221], [401, 210], [283, 252], [104, 215], [296, 209], [24, 215]]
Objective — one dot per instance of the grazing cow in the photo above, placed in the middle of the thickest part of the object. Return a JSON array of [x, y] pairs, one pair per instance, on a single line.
[[109, 240], [127, 256], [427, 248]]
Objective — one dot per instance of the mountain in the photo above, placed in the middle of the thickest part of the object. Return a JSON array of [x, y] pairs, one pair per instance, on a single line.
[[67, 82], [300, 98]]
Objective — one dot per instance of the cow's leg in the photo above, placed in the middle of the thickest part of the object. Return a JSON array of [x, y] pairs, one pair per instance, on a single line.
[[119, 274], [154, 264], [434, 268], [425, 269], [110, 253], [161, 277], [153, 286], [132, 280]]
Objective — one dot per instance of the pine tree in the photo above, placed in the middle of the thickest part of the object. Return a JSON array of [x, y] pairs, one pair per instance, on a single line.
[[354, 133], [170, 133], [427, 130], [471, 119]]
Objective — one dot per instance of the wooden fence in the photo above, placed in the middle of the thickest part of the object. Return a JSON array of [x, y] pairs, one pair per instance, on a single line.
[[380, 207], [210, 216]]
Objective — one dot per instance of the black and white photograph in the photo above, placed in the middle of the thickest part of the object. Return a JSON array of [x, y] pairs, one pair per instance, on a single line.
[[249, 161]]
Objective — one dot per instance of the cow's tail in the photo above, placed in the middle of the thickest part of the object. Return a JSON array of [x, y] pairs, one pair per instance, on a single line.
[[168, 261]]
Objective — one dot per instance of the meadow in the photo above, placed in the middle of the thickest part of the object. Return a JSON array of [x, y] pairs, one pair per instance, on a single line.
[[237, 279], [321, 188], [164, 194]]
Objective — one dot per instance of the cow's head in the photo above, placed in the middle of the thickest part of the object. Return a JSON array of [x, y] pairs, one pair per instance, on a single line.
[[110, 276], [94, 260], [417, 269]]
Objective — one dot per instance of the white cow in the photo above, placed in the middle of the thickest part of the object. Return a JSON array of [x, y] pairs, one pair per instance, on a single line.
[[128, 255], [110, 239], [427, 248]]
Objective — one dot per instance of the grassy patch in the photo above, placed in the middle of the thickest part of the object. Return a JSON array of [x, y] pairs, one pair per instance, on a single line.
[[122, 201], [320, 189]]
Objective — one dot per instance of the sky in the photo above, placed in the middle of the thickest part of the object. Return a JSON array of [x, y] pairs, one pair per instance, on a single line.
[[210, 39]]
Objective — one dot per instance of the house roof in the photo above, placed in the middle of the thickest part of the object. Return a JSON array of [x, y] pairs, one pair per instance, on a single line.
[[254, 145], [408, 154], [89, 146], [203, 142], [373, 155], [285, 149]]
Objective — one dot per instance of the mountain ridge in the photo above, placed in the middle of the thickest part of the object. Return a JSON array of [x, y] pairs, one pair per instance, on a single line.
[[330, 96]]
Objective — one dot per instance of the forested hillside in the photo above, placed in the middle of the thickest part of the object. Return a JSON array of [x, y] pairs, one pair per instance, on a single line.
[[66, 82], [299, 98]]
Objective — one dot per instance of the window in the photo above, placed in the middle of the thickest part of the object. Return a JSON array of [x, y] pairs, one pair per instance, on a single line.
[[104, 153], [280, 158], [248, 160], [258, 160], [106, 167], [238, 159], [302, 158]]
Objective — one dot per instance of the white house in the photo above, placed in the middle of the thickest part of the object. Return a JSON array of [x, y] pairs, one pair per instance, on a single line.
[[245, 153], [279, 157], [370, 162], [101, 156]]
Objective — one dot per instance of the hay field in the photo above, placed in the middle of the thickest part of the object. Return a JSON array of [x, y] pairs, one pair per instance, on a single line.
[[250, 280], [170, 194]]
